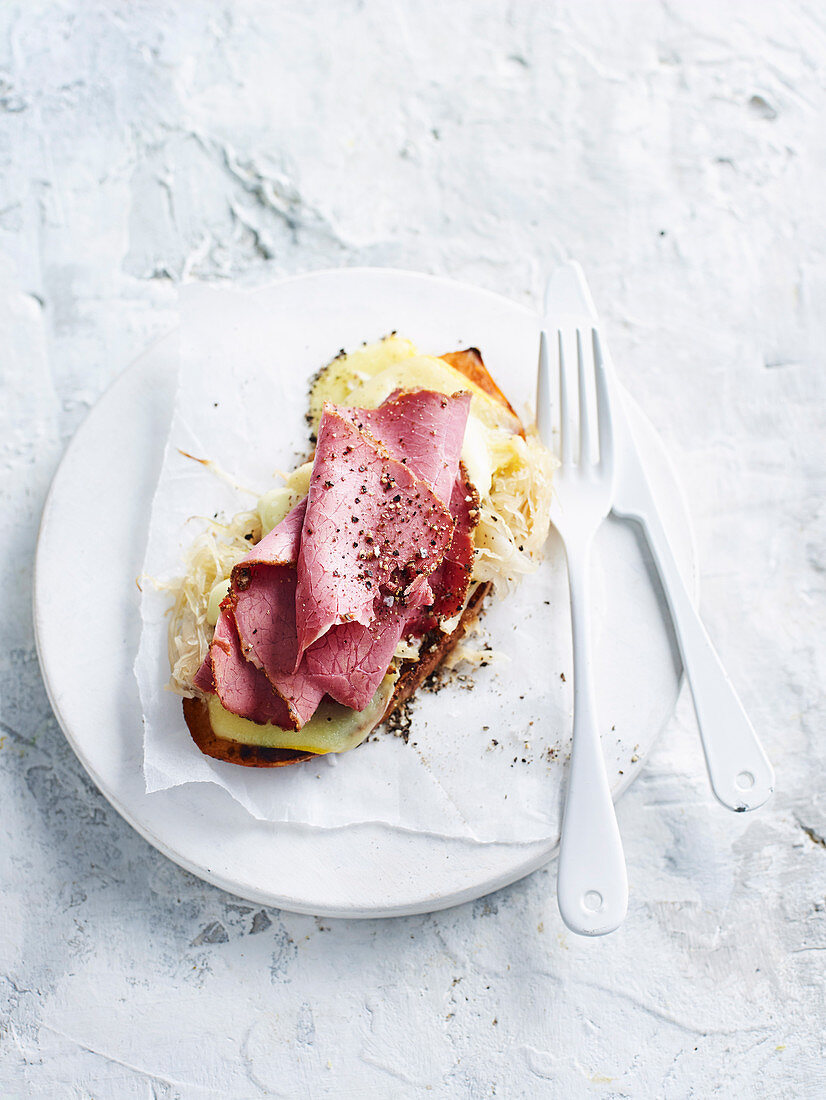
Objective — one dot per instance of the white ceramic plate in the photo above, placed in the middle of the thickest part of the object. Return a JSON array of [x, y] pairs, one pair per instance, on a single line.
[[87, 627]]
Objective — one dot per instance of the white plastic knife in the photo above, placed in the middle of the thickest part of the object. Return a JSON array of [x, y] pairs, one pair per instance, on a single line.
[[741, 776]]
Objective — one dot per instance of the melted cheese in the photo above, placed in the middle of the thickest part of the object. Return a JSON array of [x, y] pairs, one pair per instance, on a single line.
[[333, 727], [217, 593], [338, 379]]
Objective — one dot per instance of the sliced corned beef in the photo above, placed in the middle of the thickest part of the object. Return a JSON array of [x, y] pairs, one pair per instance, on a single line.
[[202, 679], [427, 430], [347, 663], [242, 688], [320, 604], [423, 429], [262, 596], [371, 526], [351, 660], [451, 580]]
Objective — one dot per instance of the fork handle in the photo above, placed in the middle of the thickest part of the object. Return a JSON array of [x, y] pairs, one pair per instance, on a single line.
[[741, 776], [592, 884]]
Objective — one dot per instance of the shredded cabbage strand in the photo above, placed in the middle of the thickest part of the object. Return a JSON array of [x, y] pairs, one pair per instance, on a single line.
[[515, 516], [209, 559]]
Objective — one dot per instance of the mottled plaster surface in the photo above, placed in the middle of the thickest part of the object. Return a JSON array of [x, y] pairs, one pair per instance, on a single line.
[[679, 152]]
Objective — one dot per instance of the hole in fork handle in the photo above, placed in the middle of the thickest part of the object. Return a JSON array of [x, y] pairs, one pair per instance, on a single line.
[[592, 901]]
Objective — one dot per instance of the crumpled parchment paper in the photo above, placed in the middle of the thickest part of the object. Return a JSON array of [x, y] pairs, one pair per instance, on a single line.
[[482, 758]]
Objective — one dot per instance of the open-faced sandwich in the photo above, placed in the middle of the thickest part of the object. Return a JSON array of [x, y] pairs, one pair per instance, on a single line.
[[302, 624]]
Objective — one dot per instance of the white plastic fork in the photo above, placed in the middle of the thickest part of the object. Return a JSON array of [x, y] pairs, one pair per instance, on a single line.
[[592, 884]]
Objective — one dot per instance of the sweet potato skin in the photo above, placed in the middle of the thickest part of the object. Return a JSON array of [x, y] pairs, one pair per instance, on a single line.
[[470, 363], [196, 714]]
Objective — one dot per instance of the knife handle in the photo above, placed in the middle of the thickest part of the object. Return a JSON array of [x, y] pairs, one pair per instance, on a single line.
[[741, 776]]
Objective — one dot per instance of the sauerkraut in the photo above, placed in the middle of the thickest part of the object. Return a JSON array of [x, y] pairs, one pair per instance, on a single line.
[[515, 515], [208, 561]]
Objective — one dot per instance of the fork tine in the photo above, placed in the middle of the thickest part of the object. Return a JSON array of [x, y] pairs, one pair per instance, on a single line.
[[606, 434], [584, 407], [566, 427], [544, 422]]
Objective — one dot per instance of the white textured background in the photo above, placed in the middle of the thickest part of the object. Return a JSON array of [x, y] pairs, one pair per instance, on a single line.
[[679, 151]]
